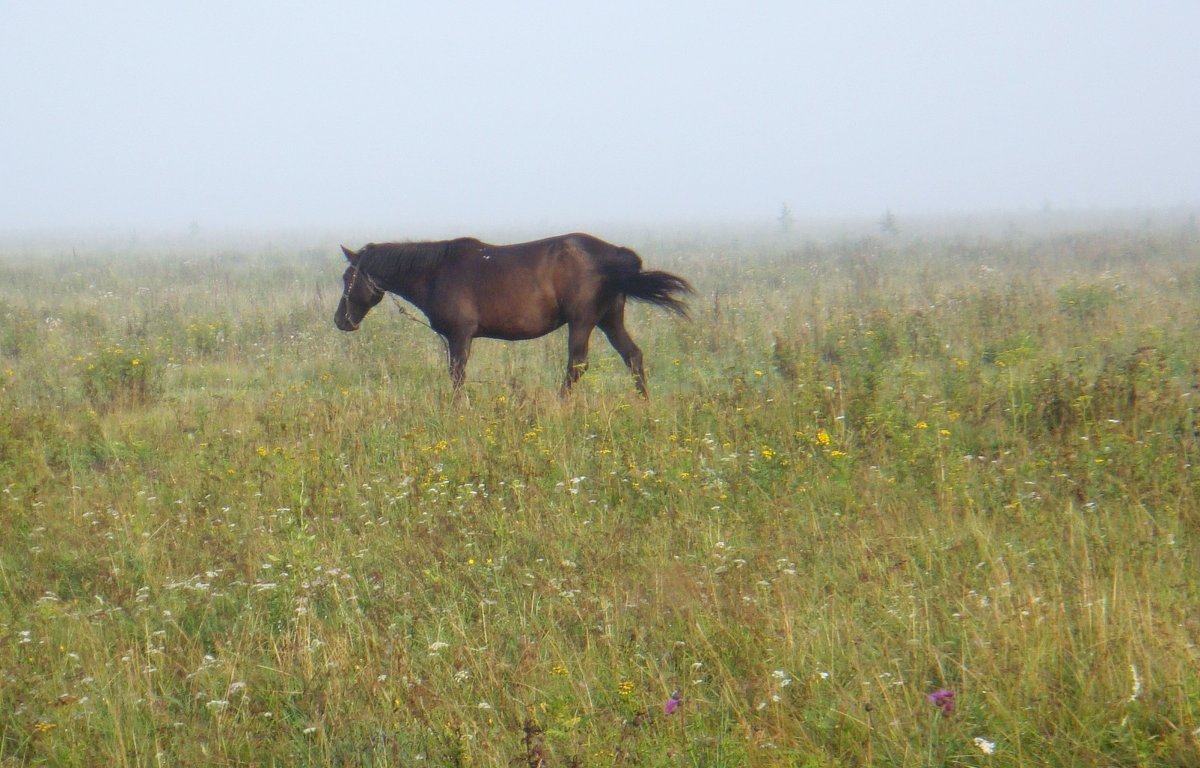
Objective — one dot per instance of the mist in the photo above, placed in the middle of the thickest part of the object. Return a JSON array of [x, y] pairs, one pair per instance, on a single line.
[[407, 120]]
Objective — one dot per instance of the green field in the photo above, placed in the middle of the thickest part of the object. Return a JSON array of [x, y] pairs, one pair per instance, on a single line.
[[871, 469]]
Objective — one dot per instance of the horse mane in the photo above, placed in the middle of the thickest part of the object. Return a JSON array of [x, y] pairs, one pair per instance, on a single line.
[[389, 263]]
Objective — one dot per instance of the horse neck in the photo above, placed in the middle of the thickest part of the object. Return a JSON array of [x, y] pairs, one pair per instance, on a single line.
[[408, 275], [412, 287]]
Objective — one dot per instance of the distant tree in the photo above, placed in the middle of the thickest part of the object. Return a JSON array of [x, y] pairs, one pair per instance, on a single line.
[[887, 223], [785, 219]]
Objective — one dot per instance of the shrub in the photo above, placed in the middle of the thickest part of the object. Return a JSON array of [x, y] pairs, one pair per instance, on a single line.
[[115, 377], [18, 331]]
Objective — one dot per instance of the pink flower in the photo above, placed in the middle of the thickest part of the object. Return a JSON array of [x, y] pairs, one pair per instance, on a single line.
[[944, 698], [672, 703]]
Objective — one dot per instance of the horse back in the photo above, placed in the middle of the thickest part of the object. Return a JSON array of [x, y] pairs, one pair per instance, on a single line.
[[568, 262]]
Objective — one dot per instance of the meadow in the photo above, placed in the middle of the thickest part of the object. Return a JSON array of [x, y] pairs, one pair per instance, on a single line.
[[903, 500]]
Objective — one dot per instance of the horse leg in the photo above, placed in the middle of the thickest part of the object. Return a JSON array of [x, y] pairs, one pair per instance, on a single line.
[[459, 349], [577, 352], [613, 326]]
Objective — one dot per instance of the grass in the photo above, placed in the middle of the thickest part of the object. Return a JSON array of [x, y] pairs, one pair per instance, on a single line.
[[869, 470]]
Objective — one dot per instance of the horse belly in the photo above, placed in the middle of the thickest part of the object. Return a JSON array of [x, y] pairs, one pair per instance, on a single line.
[[519, 327]]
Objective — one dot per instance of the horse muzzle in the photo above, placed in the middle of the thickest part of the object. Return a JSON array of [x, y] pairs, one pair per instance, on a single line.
[[344, 323]]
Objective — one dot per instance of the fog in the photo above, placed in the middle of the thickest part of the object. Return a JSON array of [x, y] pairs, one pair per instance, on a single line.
[[410, 119]]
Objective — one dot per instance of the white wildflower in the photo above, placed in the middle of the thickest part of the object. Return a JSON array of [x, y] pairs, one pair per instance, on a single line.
[[985, 746]]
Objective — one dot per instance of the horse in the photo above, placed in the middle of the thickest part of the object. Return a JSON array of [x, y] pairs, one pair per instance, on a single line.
[[469, 289]]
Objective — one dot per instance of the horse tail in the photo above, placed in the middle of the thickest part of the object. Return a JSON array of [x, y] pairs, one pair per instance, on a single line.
[[656, 287]]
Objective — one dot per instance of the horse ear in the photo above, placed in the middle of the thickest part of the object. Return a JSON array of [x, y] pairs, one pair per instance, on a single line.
[[351, 256]]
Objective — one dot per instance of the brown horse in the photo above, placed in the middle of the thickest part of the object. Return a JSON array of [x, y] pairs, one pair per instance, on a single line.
[[470, 289]]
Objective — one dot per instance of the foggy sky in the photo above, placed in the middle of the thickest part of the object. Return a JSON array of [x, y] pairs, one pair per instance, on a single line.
[[404, 117]]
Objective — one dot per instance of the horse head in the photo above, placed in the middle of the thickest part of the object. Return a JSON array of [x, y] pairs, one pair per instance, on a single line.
[[359, 292]]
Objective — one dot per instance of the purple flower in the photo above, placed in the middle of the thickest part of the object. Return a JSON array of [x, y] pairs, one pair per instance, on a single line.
[[672, 703], [944, 698]]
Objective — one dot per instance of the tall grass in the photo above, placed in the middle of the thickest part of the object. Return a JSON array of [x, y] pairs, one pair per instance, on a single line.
[[869, 471]]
